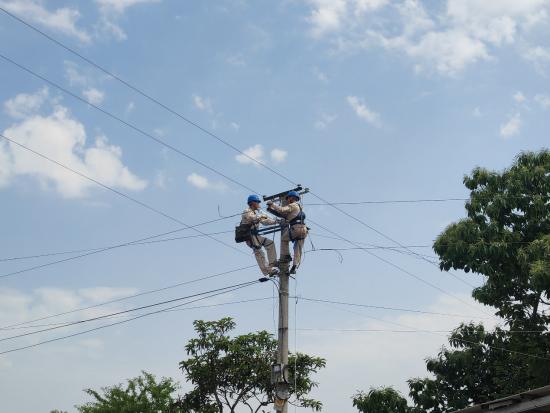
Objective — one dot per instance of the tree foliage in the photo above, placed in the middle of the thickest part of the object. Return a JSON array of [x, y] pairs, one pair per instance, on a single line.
[[142, 394], [382, 400], [506, 238], [229, 374]]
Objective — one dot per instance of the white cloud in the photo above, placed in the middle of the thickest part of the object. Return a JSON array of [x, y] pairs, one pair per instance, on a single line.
[[17, 306], [74, 76], [63, 138], [202, 182], [519, 97], [325, 121], [465, 33], [99, 294], [477, 112], [108, 27], [539, 56], [235, 126], [111, 11], [327, 16], [543, 100], [120, 6], [449, 51], [63, 19], [362, 111], [512, 127], [93, 95], [320, 75], [362, 6], [25, 104], [255, 152], [202, 103], [278, 155]]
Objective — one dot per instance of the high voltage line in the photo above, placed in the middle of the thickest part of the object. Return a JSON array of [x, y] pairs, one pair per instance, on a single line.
[[251, 300], [188, 226], [117, 300], [143, 307], [236, 287], [122, 194], [161, 142]]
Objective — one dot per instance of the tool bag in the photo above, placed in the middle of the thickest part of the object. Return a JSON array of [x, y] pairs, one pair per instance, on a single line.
[[243, 233], [298, 232], [298, 229]]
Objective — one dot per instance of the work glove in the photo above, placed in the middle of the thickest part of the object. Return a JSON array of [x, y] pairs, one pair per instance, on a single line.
[[269, 203]]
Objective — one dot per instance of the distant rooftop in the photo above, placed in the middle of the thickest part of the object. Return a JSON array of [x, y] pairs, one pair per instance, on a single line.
[[537, 400]]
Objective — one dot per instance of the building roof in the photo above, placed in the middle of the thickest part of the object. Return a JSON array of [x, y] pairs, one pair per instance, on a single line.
[[537, 400]]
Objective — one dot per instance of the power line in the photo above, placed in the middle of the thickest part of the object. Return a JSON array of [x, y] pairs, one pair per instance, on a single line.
[[416, 277], [117, 300], [128, 124], [148, 97], [454, 338], [392, 201], [232, 180], [122, 194], [251, 300], [143, 307], [129, 244], [50, 254], [378, 330], [117, 323], [379, 307], [360, 221], [210, 134]]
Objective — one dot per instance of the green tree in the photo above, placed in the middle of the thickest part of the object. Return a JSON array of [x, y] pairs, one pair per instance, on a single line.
[[506, 238], [229, 374], [382, 400], [142, 394]]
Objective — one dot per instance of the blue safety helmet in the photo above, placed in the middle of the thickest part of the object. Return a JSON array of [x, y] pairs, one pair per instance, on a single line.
[[293, 194], [253, 198]]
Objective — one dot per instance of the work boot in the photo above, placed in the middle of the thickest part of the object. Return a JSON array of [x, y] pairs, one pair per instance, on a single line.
[[273, 272]]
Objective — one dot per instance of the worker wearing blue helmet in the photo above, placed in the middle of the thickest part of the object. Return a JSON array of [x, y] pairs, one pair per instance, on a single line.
[[253, 216], [295, 229]]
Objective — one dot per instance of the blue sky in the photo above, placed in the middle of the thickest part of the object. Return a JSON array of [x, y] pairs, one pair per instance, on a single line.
[[357, 99]]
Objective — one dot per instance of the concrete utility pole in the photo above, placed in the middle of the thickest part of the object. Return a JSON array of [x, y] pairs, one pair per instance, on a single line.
[[279, 374], [282, 356]]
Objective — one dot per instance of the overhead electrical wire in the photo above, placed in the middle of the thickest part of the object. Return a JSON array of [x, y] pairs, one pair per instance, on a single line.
[[146, 134], [251, 300], [220, 140], [391, 201], [122, 194], [124, 321], [454, 338], [381, 307], [119, 119], [127, 297], [143, 307]]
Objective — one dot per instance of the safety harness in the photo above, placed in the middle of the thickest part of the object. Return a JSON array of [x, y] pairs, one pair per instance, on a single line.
[[298, 220]]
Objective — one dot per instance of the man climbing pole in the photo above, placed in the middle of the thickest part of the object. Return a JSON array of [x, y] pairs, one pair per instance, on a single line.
[[251, 219], [294, 228]]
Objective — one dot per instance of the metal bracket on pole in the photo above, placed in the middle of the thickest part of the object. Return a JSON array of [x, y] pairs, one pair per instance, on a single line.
[[282, 194]]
